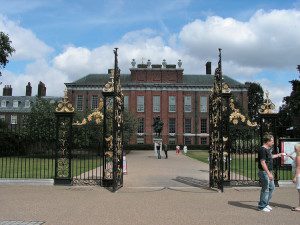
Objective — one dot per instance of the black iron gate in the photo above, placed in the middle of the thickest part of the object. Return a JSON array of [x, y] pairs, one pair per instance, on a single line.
[[113, 130], [234, 139], [91, 151], [216, 165]]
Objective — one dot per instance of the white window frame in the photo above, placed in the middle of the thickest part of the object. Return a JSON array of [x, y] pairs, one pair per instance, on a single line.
[[156, 103], [169, 127], [13, 119], [187, 103], [27, 104], [141, 120], [204, 125], [15, 103], [79, 109], [140, 140], [94, 102], [126, 102], [3, 103], [140, 106], [172, 140], [2, 117], [172, 103], [185, 125], [203, 104]]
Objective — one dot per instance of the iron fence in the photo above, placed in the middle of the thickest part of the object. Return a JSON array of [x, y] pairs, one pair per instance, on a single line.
[[26, 155], [29, 156]]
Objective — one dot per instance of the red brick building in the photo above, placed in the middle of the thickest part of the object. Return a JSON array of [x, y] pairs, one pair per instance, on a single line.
[[181, 100]]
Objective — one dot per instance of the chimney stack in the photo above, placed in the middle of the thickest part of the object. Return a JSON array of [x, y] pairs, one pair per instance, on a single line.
[[208, 67], [41, 89], [7, 90], [28, 89]]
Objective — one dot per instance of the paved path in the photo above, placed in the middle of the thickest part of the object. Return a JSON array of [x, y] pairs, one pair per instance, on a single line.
[[145, 170], [153, 195]]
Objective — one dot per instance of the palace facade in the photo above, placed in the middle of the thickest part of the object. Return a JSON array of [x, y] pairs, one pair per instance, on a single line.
[[150, 90]]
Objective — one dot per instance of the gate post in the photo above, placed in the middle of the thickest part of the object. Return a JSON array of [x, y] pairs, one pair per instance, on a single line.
[[226, 94], [268, 124], [216, 163], [113, 130], [64, 113]]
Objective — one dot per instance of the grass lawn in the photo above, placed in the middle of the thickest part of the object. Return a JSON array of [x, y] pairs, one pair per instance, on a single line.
[[17, 167], [241, 165]]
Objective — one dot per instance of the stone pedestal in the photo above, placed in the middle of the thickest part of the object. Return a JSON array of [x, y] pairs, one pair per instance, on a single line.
[[157, 141]]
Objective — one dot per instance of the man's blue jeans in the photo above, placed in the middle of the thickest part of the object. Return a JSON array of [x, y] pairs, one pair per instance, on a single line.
[[267, 188]]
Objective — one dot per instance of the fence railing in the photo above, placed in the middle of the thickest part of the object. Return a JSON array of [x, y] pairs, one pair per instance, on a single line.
[[244, 160], [26, 155]]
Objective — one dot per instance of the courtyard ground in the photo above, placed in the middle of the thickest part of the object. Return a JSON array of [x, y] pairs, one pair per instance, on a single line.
[[166, 191]]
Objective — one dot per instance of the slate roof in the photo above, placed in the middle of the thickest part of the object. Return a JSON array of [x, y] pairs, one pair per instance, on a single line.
[[190, 80], [21, 106]]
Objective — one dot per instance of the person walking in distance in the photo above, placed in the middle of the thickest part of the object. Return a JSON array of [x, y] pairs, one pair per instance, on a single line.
[[177, 149], [265, 172], [166, 150]]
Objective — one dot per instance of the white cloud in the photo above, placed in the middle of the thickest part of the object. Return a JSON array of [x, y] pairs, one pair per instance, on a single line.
[[267, 40], [34, 73], [276, 91], [141, 45], [25, 42]]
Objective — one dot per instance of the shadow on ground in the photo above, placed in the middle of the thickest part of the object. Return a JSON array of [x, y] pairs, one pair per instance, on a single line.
[[243, 204], [192, 182]]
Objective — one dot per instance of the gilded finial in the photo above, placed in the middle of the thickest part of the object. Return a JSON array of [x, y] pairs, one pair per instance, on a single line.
[[267, 107], [65, 106]]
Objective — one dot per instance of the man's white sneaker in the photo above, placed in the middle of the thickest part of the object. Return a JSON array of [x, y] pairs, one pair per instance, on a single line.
[[269, 207], [264, 210]]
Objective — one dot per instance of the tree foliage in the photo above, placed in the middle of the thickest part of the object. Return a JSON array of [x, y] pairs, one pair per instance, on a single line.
[[255, 99], [130, 126], [92, 131], [39, 124], [289, 112], [6, 49]]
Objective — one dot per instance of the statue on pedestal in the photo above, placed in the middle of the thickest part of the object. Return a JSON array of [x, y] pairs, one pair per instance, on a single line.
[[157, 126]]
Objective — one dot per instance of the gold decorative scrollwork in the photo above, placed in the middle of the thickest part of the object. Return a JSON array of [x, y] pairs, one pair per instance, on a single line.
[[109, 142], [109, 86], [225, 88], [65, 106], [268, 106], [236, 115], [97, 115], [62, 167]]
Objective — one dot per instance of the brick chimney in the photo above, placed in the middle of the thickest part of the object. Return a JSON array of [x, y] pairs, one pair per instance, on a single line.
[[208, 67], [7, 90], [41, 89], [28, 89]]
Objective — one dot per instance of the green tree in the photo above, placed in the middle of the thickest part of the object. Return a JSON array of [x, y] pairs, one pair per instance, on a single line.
[[6, 50], [130, 126], [289, 112], [255, 99], [84, 133], [39, 124]]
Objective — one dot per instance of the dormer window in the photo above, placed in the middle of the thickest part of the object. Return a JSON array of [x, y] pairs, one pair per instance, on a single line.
[[15, 103], [3, 103], [27, 103]]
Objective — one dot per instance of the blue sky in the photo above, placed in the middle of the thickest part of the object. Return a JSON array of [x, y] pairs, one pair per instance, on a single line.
[[59, 41]]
